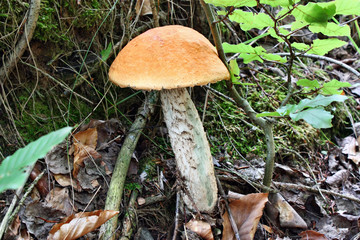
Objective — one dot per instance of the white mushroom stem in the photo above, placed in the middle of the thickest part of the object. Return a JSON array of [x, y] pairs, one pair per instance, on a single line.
[[191, 148]]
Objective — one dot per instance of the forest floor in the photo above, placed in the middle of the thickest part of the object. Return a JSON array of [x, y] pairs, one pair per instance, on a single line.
[[62, 80]]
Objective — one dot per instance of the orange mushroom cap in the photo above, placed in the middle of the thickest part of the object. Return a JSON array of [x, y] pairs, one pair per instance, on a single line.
[[165, 58]]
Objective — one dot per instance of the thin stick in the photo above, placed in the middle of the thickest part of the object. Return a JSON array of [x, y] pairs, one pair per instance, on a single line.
[[243, 103], [31, 19], [115, 191], [314, 190], [129, 222], [231, 218], [347, 67], [7, 220]]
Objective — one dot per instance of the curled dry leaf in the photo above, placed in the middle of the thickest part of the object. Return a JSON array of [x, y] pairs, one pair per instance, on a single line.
[[79, 224], [201, 228], [247, 212], [312, 235], [83, 147]]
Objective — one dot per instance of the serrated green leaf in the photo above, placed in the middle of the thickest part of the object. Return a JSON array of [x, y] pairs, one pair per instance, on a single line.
[[330, 29], [347, 7], [315, 12], [233, 3], [12, 168], [273, 57], [106, 52], [310, 84], [332, 87], [316, 117], [250, 20], [319, 100], [323, 46], [300, 46]]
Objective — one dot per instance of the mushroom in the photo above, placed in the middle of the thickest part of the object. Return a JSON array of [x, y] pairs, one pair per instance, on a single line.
[[170, 59]]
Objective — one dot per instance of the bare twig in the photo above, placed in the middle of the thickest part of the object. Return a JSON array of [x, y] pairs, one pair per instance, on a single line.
[[154, 13], [347, 67], [228, 209], [10, 214], [243, 103], [129, 222], [11, 60], [115, 191], [314, 190], [177, 214]]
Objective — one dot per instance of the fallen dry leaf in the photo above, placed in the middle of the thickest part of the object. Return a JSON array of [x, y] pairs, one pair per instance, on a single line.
[[247, 212], [312, 235], [66, 180], [143, 7], [79, 224], [201, 228], [287, 215], [83, 147], [58, 198]]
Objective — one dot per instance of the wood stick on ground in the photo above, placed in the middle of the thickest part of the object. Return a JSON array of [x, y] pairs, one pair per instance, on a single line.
[[231, 218], [177, 215], [129, 222], [30, 24], [10, 214], [291, 186], [115, 191]]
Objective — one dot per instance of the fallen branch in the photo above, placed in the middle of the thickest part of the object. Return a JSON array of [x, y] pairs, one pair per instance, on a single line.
[[291, 186], [29, 28], [10, 214], [350, 69], [129, 222], [116, 188]]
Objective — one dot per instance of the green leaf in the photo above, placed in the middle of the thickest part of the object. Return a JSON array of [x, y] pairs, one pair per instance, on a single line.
[[106, 52], [12, 168], [300, 46], [234, 67], [315, 12], [330, 29], [233, 3], [247, 52], [310, 84], [332, 87], [319, 100], [273, 57], [282, 3], [283, 31], [268, 114], [323, 46], [317, 117], [250, 20], [347, 7]]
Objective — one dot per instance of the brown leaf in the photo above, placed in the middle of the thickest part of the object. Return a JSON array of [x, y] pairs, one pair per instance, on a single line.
[[83, 147], [79, 224], [59, 199], [143, 7], [247, 212], [65, 180], [312, 235], [201, 228]]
